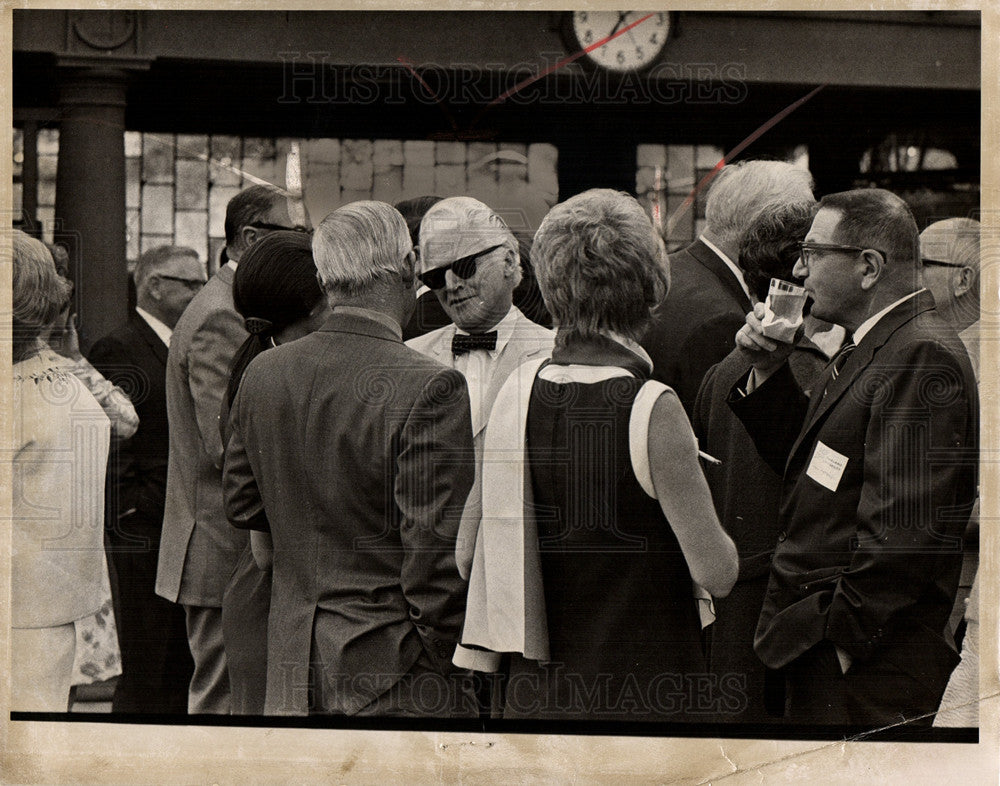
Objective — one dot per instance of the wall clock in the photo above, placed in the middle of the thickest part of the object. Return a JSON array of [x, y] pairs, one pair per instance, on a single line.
[[636, 49]]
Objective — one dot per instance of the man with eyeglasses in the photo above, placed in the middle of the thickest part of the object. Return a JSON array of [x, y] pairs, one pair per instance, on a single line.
[[949, 250], [198, 548], [470, 259], [879, 461], [156, 662]]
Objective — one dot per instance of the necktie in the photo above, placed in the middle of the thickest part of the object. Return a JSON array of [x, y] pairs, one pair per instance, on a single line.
[[838, 361], [466, 342]]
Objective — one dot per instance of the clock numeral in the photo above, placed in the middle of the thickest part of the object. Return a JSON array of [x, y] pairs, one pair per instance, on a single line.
[[588, 37], [583, 16], [621, 57], [654, 39], [638, 52]]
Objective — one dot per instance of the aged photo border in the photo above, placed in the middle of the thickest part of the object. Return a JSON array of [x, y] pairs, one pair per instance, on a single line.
[[99, 749]]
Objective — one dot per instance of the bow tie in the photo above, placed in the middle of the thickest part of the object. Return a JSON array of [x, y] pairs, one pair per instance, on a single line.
[[466, 342]]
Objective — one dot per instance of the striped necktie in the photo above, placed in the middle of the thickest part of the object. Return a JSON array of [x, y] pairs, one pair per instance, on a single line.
[[839, 360]]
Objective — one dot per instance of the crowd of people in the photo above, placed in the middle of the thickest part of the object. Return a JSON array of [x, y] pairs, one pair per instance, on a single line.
[[589, 485]]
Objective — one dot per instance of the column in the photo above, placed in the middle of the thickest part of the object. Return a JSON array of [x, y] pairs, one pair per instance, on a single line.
[[90, 194]]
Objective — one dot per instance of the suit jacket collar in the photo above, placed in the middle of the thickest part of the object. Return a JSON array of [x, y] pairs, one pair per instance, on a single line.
[[147, 334], [711, 261], [859, 360], [339, 322]]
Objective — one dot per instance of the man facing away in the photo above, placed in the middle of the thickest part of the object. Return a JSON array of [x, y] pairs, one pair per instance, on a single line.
[[198, 548], [879, 466], [470, 259], [156, 662], [355, 452], [693, 327]]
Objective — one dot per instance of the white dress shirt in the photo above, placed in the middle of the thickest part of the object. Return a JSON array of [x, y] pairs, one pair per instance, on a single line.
[[478, 366], [158, 327]]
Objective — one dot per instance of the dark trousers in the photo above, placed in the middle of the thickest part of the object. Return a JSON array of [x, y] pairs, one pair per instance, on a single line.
[[156, 661], [883, 691]]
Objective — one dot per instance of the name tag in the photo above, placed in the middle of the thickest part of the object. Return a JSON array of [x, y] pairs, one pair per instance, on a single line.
[[827, 466]]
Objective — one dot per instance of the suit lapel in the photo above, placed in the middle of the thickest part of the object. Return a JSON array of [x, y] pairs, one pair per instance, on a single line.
[[710, 260], [147, 334], [509, 359], [861, 358]]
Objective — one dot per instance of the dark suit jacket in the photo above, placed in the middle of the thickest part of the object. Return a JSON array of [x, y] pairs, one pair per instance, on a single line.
[[198, 548], [747, 494], [135, 358], [695, 326], [872, 566], [360, 451]]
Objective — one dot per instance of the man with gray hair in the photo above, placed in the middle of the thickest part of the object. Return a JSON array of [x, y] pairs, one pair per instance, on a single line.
[[156, 662], [355, 453], [693, 328], [198, 549], [949, 252], [469, 259]]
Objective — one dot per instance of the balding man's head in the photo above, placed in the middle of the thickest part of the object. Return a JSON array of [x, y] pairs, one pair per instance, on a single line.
[[949, 251]]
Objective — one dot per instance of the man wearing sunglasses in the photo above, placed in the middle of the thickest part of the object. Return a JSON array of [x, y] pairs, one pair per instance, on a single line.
[[156, 662], [199, 549], [879, 460], [469, 258]]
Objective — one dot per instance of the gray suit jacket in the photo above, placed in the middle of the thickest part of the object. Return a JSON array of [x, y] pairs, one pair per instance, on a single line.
[[528, 341], [354, 452], [198, 548]]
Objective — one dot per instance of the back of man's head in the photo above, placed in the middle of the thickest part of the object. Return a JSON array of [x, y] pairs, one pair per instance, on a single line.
[[741, 191], [248, 206], [361, 243]]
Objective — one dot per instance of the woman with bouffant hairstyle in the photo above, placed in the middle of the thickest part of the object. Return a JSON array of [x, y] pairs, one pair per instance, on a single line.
[[593, 591], [276, 291], [61, 438]]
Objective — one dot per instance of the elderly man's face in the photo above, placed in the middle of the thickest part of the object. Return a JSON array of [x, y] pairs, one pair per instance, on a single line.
[[833, 276], [477, 303]]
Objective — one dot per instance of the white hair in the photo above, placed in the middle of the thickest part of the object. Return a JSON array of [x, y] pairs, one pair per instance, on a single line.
[[740, 192], [360, 243]]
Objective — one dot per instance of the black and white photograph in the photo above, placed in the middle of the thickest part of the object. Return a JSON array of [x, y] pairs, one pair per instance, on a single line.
[[525, 395]]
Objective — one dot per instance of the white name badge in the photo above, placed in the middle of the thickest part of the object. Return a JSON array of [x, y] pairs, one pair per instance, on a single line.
[[827, 466]]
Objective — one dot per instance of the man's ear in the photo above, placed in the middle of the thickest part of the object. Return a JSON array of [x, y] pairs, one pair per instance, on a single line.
[[249, 235], [152, 288], [964, 281], [510, 263], [873, 264]]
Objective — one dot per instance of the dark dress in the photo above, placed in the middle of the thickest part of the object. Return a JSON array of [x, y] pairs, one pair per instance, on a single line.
[[624, 635]]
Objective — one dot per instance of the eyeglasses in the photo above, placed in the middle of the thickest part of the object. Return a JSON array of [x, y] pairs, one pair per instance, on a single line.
[[808, 251], [463, 268], [279, 227], [939, 263], [190, 283]]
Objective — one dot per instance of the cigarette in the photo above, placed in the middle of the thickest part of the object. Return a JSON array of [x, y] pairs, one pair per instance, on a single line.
[[708, 458]]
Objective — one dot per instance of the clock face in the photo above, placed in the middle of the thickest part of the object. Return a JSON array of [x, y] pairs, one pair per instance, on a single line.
[[639, 46]]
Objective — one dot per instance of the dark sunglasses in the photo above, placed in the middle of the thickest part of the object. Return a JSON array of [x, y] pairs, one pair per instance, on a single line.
[[463, 268], [279, 227], [190, 283]]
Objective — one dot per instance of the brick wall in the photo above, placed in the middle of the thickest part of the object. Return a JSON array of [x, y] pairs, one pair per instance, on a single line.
[[178, 185]]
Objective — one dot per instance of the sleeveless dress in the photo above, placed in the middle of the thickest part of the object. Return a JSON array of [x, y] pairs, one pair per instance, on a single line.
[[624, 633]]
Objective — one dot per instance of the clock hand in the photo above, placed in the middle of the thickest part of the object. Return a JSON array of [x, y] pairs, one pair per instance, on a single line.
[[621, 19]]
